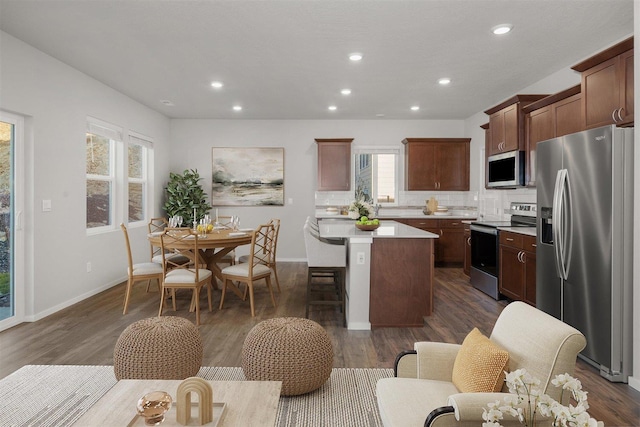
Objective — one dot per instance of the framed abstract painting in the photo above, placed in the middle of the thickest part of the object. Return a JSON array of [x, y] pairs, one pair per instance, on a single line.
[[247, 176]]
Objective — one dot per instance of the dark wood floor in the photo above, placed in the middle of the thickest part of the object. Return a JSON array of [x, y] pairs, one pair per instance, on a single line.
[[86, 333]]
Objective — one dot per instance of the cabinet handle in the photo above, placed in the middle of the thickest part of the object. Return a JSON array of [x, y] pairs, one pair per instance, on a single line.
[[509, 239], [469, 241], [521, 257], [613, 116], [441, 231], [533, 245], [620, 113]]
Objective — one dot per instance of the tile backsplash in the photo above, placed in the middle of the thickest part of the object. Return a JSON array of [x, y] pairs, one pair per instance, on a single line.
[[490, 204]]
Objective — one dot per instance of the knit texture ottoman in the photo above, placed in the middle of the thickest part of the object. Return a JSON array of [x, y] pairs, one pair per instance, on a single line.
[[166, 347], [296, 351]]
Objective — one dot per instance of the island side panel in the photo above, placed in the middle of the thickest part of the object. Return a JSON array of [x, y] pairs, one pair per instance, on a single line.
[[401, 282]]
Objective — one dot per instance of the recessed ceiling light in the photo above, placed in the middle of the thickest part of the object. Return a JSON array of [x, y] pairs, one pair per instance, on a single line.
[[502, 29], [216, 85], [346, 91], [415, 108], [444, 81], [332, 108], [355, 56], [167, 103], [237, 108]]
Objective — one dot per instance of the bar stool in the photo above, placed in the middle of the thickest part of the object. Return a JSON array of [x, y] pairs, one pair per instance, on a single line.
[[327, 262]]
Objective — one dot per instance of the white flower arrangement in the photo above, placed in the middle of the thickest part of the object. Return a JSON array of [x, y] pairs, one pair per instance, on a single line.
[[526, 401], [362, 208]]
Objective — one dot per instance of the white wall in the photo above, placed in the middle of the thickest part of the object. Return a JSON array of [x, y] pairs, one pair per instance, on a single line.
[[56, 100], [192, 140]]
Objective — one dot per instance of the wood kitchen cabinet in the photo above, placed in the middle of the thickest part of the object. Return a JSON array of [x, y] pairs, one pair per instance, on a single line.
[[467, 249], [506, 121], [556, 115], [449, 247], [607, 86], [334, 164], [437, 164], [517, 276]]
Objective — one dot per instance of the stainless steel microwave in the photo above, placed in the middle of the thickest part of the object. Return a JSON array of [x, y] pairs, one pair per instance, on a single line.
[[506, 170]]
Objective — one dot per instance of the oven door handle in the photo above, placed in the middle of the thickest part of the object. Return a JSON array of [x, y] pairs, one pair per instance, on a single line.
[[484, 229]]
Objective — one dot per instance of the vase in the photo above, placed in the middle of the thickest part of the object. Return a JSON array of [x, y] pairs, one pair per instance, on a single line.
[[354, 214]]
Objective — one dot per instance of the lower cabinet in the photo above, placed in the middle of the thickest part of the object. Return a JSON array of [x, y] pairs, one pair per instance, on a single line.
[[450, 246], [466, 237], [517, 279]]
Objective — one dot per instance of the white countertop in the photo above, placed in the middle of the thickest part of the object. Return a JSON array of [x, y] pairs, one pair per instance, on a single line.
[[387, 229], [529, 231], [404, 213]]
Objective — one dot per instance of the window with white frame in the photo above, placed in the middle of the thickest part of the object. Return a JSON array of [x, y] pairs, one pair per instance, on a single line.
[[101, 145], [138, 154], [376, 175]]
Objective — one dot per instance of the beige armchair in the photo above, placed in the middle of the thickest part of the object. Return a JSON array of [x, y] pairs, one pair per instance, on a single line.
[[422, 392]]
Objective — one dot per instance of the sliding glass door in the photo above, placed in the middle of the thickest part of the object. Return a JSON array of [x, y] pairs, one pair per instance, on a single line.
[[11, 212]]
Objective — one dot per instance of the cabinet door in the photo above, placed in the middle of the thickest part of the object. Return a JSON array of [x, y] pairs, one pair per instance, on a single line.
[[626, 87], [452, 166], [420, 170], [511, 270], [530, 278], [600, 94], [567, 115], [467, 251], [539, 127], [334, 166], [496, 136], [451, 245], [511, 128]]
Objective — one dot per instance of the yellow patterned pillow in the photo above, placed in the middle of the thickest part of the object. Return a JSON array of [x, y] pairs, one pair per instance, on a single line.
[[479, 365]]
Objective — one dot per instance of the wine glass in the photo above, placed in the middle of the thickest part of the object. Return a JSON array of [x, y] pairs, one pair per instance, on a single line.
[[179, 219]]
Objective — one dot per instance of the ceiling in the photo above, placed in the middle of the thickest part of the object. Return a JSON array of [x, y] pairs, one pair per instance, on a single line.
[[288, 59]]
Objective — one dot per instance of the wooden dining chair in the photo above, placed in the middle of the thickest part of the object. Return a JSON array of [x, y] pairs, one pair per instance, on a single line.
[[273, 242], [145, 271], [157, 226], [189, 275], [256, 267], [229, 258]]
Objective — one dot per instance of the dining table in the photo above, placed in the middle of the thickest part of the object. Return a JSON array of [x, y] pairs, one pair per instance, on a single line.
[[212, 247]]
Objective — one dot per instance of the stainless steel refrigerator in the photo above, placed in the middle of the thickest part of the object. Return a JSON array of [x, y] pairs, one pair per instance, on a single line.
[[585, 241]]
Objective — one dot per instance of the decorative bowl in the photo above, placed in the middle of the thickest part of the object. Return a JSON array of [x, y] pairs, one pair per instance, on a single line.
[[364, 227]]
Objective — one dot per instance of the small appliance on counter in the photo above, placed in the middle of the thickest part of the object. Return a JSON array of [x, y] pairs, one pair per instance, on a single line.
[[485, 244]]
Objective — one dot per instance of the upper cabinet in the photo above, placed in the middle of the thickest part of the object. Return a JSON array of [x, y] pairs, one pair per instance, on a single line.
[[334, 164], [607, 86], [553, 116], [436, 164], [506, 122]]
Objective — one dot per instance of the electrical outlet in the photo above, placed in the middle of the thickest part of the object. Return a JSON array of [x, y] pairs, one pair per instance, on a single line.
[[360, 258], [88, 267]]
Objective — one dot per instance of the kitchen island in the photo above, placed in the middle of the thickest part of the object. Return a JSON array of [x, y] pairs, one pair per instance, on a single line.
[[389, 280]]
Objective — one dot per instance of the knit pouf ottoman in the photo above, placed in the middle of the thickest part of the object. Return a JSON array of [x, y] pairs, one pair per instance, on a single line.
[[164, 347], [296, 351]]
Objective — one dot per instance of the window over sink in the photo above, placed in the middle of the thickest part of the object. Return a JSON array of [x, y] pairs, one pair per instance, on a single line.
[[376, 175]]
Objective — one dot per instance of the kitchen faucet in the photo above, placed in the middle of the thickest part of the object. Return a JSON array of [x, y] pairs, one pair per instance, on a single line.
[[376, 209]]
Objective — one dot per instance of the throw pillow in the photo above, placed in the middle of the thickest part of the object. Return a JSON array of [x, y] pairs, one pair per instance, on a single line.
[[479, 365]]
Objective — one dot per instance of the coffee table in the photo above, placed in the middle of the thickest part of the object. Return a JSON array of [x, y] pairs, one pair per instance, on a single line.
[[248, 403]]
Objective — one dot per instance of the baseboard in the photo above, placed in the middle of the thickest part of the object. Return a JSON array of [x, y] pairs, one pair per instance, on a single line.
[[52, 310], [634, 382], [358, 326]]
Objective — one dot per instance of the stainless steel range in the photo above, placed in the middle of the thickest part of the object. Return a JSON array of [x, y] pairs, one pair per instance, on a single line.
[[485, 244]]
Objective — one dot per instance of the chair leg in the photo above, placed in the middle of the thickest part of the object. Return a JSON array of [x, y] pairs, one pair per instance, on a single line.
[[273, 300], [173, 298], [209, 286], [253, 310], [162, 299], [224, 291], [127, 294], [196, 297], [308, 292], [275, 274], [148, 284]]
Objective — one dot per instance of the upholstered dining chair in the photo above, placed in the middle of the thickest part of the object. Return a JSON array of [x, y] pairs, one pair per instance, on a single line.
[[144, 271], [177, 275], [440, 384], [326, 269], [256, 268]]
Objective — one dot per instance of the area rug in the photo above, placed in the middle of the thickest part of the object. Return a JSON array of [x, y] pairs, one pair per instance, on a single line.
[[57, 395]]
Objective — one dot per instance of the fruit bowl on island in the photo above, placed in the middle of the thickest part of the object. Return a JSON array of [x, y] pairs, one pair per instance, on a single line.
[[366, 224]]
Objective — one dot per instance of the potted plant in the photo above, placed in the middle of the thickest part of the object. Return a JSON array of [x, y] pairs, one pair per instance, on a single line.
[[186, 196]]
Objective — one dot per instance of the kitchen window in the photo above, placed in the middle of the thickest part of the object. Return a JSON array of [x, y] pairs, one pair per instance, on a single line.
[[376, 175]]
